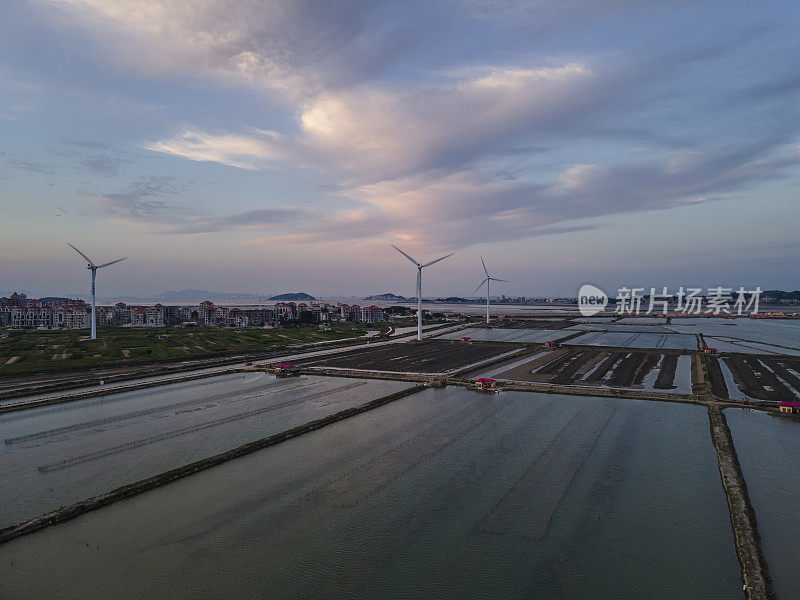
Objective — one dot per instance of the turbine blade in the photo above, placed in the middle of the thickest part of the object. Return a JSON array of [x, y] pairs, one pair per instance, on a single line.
[[480, 286], [112, 262], [484, 267], [404, 254], [89, 260], [496, 279], [437, 260]]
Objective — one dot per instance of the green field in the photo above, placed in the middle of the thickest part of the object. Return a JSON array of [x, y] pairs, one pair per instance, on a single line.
[[24, 352]]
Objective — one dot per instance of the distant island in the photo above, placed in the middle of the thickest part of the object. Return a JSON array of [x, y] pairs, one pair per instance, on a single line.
[[294, 297], [780, 297], [387, 298], [55, 299]]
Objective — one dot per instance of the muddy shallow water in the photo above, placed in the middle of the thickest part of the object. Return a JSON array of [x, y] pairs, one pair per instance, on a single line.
[[445, 493]]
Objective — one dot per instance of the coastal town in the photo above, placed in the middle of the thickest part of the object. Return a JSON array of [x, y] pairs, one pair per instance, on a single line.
[[20, 312]]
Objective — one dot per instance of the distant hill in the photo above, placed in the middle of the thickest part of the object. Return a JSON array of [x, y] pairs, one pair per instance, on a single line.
[[781, 295], [55, 299], [387, 298], [294, 297]]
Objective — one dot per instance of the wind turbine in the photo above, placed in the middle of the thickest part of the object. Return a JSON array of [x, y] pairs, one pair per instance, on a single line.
[[486, 281], [419, 285], [93, 268]]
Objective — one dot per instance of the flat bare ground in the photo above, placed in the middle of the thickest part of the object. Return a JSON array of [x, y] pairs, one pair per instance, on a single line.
[[433, 356], [597, 366], [774, 378]]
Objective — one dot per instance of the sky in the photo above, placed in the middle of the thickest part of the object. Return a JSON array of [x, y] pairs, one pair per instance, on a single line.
[[270, 146]]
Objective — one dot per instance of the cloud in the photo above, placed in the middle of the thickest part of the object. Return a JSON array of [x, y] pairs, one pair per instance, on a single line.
[[529, 145], [453, 211], [96, 158], [250, 152], [378, 133], [103, 164], [298, 47], [147, 204], [143, 202], [261, 219], [32, 165]]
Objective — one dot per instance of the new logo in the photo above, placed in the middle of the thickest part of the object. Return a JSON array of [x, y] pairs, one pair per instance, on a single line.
[[591, 300]]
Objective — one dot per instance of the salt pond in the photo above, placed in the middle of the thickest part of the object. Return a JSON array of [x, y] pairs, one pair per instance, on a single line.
[[769, 454], [644, 327], [508, 335], [57, 455], [618, 339], [778, 335], [445, 493]]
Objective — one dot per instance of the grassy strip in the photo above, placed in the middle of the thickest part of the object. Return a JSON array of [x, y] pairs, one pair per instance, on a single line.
[[84, 379], [74, 510], [26, 352]]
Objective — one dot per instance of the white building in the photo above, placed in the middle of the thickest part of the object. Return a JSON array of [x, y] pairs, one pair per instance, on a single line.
[[372, 314]]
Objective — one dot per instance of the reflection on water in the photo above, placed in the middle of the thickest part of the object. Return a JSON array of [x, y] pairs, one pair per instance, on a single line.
[[521, 336], [781, 336], [56, 455], [446, 493], [769, 454]]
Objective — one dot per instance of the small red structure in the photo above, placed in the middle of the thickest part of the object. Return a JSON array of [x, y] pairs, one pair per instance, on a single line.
[[286, 370], [711, 351], [465, 338], [485, 384], [550, 345], [789, 407]]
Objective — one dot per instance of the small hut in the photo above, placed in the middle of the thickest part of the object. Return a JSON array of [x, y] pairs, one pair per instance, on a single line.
[[466, 339], [286, 371], [711, 351], [484, 384], [789, 407]]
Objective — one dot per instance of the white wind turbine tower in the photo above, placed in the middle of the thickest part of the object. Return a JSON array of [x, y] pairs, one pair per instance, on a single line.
[[419, 285], [486, 281], [93, 268]]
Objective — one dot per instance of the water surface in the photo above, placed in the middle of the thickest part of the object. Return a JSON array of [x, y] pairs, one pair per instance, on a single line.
[[445, 493], [769, 454], [56, 455], [508, 335]]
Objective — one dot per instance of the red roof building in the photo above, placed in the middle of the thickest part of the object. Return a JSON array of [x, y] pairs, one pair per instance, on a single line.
[[484, 383]]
